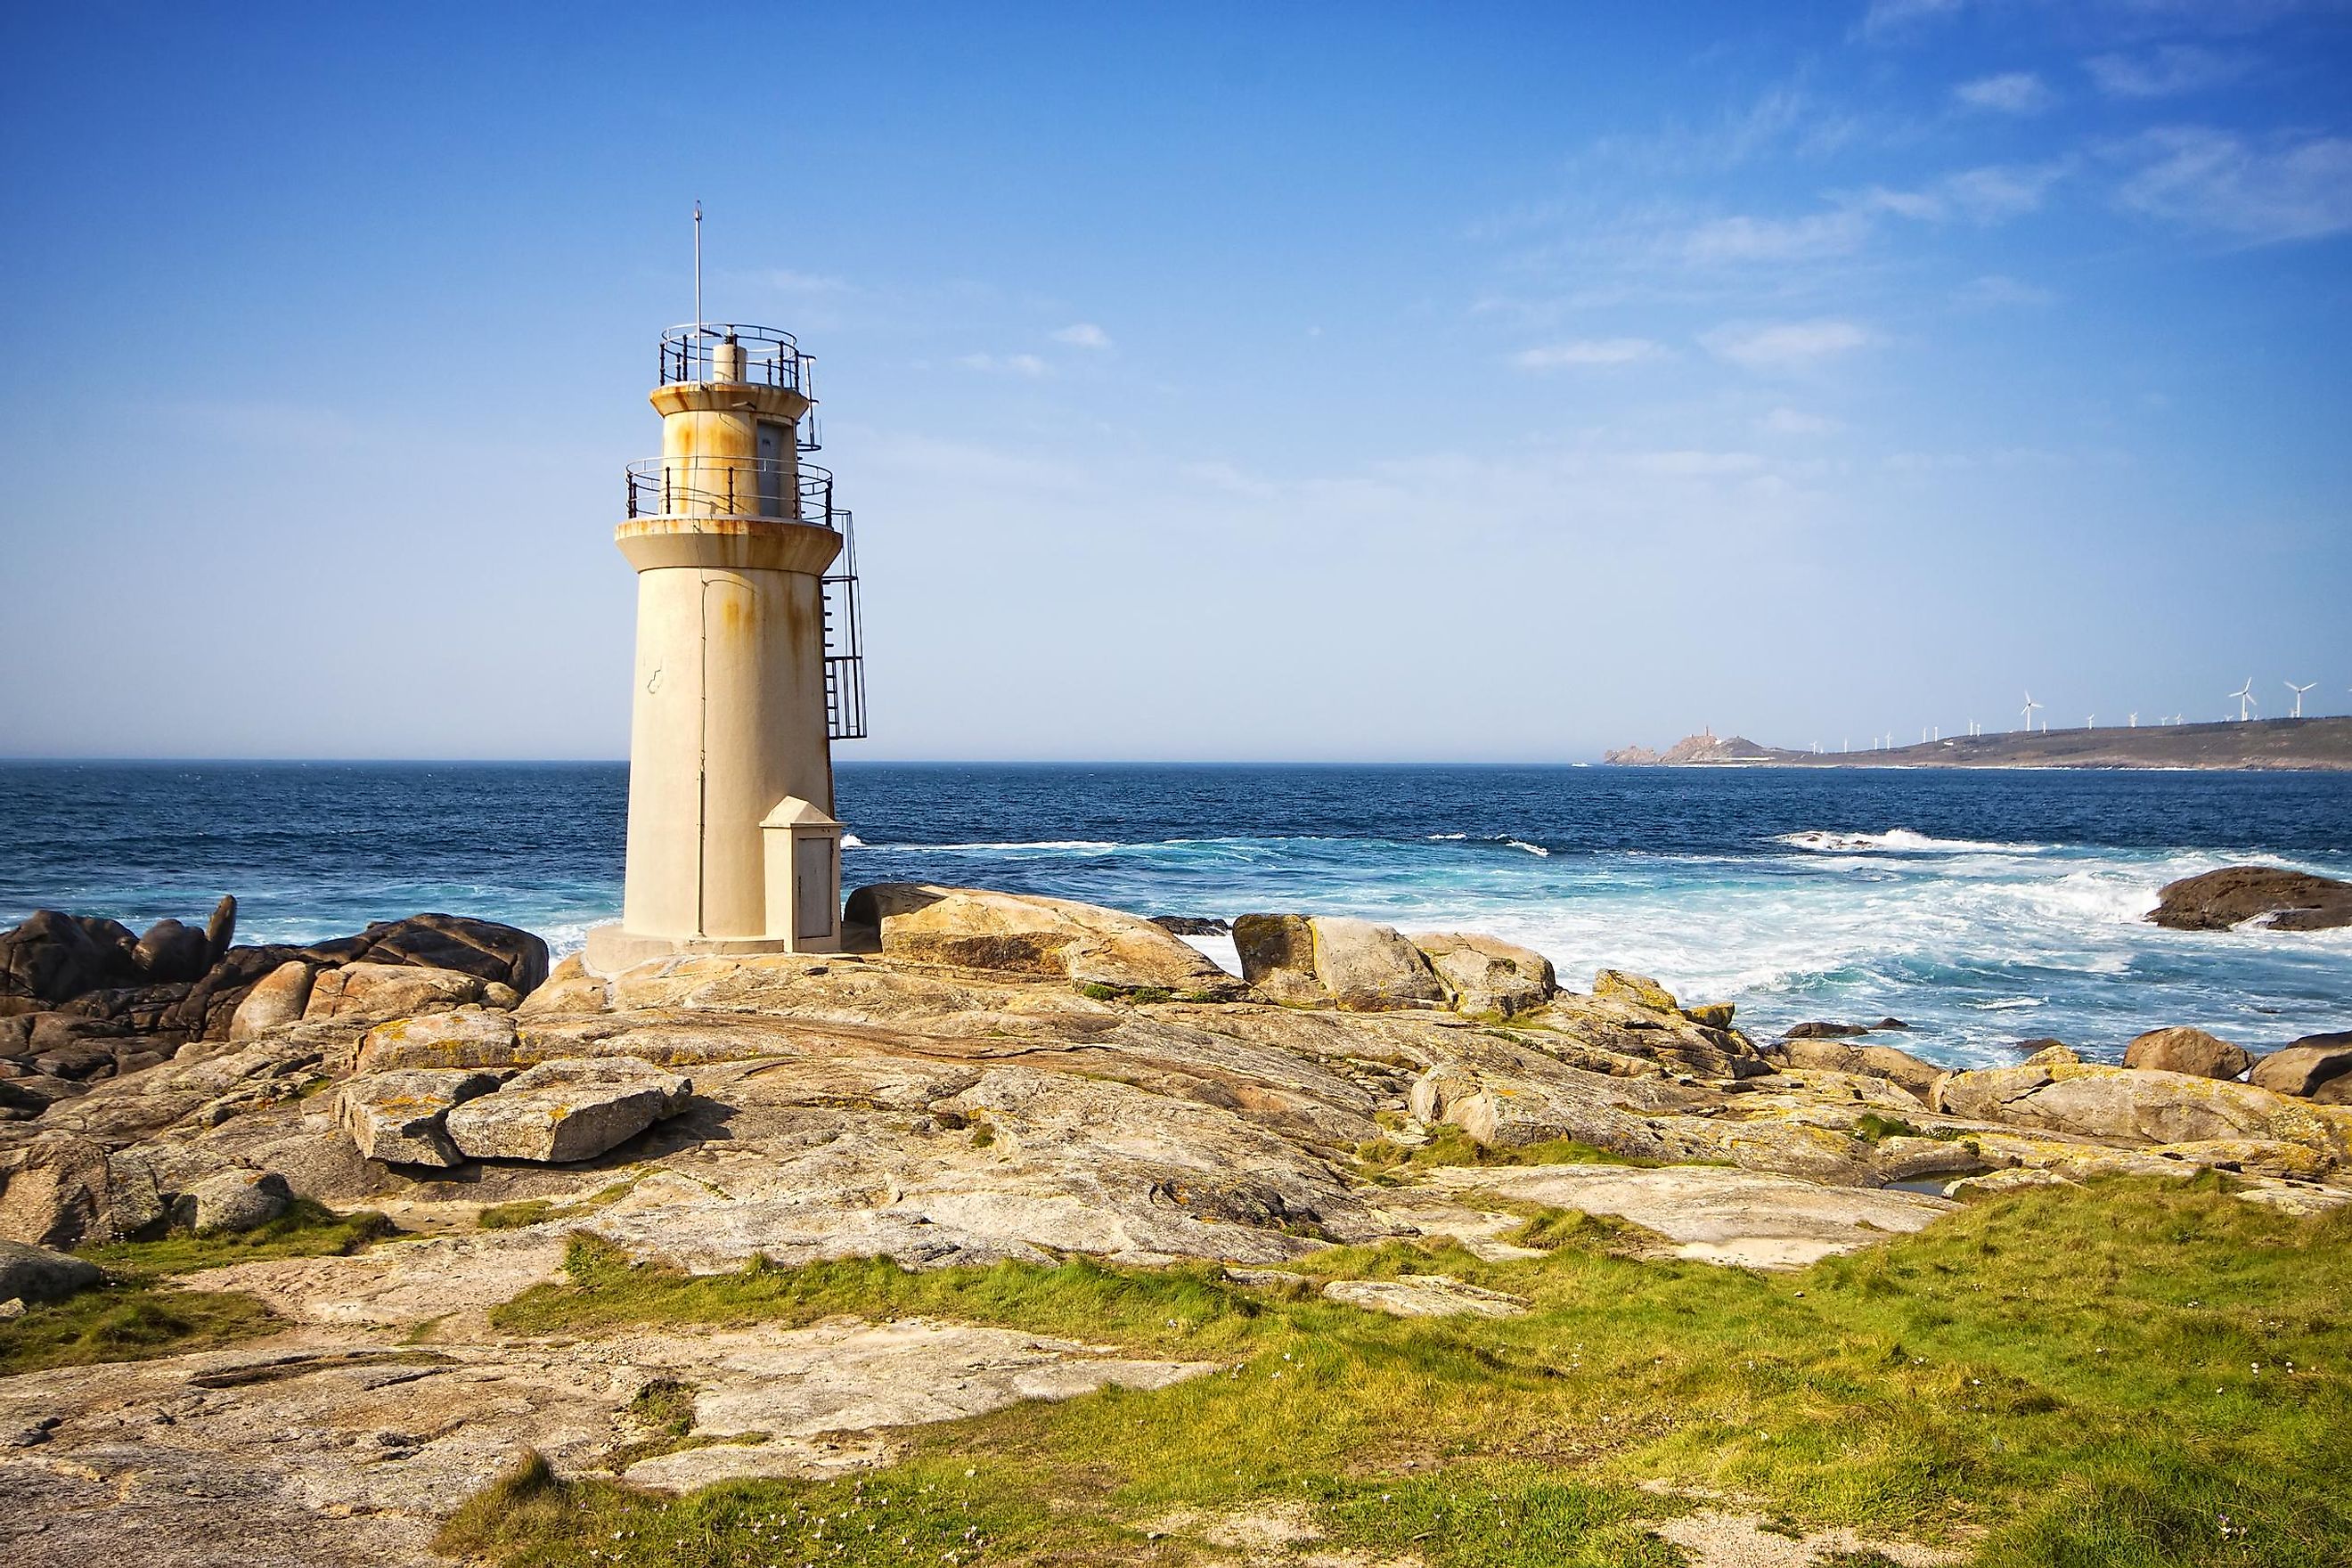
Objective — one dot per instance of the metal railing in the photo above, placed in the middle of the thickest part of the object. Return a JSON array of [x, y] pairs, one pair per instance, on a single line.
[[731, 353], [732, 487]]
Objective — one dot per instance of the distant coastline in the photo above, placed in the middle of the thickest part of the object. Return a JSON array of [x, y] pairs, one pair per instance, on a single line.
[[2302, 745]]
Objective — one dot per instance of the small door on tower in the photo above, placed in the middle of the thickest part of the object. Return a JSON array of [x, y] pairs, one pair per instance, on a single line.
[[775, 441]]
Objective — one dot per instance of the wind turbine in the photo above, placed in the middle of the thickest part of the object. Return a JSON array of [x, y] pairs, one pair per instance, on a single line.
[[2135, 721], [2030, 705], [2092, 722], [2245, 696], [2298, 691]]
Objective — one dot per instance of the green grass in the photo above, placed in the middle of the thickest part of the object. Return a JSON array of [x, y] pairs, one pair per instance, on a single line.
[[1449, 1145], [306, 1229], [2138, 1373], [128, 1322], [137, 1314], [1549, 1228], [1873, 1128], [539, 1211]]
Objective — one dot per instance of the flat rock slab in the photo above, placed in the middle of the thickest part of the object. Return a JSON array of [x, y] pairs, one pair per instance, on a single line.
[[1714, 1537], [564, 1110], [1715, 1213], [1425, 1296], [399, 1282], [856, 1376], [327, 1446], [792, 1459]]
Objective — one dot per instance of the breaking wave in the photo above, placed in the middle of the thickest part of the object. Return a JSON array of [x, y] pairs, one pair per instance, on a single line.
[[1899, 841]]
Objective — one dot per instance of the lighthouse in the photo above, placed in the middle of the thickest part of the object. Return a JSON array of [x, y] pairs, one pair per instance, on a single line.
[[748, 665]]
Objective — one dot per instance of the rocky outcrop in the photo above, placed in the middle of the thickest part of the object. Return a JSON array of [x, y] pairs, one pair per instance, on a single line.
[[29, 1274], [1875, 1061], [852, 1104], [231, 1201], [491, 952], [2279, 898], [1353, 964], [54, 957], [1898, 1066], [220, 930], [1018, 933], [2190, 1051], [1483, 974], [172, 953], [60, 1189], [2316, 1068], [83, 1002], [1623, 986], [469, 1036], [560, 1111], [52, 1056], [2143, 1106], [277, 997], [370, 990], [398, 1117]]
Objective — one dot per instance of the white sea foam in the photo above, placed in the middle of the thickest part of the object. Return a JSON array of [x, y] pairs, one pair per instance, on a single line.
[[1899, 841], [1530, 848], [1220, 949], [1013, 846], [851, 841]]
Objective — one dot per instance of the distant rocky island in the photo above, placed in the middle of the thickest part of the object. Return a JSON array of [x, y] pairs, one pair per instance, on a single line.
[[2304, 744]]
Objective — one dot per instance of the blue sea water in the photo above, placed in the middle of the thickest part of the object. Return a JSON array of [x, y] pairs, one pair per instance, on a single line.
[[1981, 907]]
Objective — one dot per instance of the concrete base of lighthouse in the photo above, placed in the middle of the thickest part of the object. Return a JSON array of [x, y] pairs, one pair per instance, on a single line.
[[801, 859], [612, 949]]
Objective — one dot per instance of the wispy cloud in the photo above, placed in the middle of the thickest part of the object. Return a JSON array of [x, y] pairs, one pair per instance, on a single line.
[[2203, 178], [1734, 241], [2011, 92], [1985, 196], [1783, 345], [1006, 364], [1996, 289], [1781, 119], [2164, 72], [1083, 335], [1588, 351], [1887, 17]]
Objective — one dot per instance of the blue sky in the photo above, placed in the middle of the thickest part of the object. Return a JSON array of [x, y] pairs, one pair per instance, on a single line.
[[1222, 382]]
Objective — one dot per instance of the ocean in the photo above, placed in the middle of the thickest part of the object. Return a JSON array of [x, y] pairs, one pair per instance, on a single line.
[[1983, 907]]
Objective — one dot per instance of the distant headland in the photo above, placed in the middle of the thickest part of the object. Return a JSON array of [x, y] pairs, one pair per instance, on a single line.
[[2303, 744]]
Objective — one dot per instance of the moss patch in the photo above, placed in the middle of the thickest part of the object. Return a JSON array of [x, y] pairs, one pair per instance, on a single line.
[[539, 1211], [1449, 1145]]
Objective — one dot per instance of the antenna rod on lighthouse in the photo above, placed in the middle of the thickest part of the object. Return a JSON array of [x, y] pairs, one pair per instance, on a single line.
[[698, 269]]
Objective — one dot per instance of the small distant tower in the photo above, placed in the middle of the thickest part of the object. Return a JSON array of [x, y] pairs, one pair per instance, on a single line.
[[748, 663]]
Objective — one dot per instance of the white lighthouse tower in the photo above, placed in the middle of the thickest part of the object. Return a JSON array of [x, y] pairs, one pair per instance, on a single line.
[[748, 664]]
